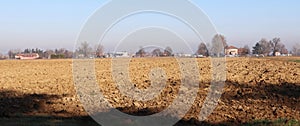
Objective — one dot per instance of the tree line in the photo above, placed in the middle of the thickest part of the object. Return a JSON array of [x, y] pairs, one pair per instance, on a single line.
[[263, 47], [156, 52], [269, 48], [218, 47], [44, 54], [61, 53], [219, 44], [86, 51]]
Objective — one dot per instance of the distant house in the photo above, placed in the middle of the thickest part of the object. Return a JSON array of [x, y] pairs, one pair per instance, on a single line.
[[27, 56], [231, 50], [277, 54], [183, 55], [2, 57], [121, 54]]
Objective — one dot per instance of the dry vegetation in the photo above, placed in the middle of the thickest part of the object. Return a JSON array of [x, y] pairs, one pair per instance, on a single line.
[[256, 89]]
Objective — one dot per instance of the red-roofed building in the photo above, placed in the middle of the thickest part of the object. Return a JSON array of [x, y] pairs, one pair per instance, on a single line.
[[27, 56], [231, 50]]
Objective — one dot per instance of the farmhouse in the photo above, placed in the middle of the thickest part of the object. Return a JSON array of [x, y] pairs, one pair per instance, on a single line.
[[121, 54], [231, 50], [27, 56]]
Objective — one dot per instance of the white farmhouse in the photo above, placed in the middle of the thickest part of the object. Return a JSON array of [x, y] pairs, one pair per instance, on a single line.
[[232, 51]]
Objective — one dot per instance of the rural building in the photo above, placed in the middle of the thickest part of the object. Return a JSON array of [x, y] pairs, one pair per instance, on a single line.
[[183, 55], [277, 54], [231, 50], [27, 56], [121, 54]]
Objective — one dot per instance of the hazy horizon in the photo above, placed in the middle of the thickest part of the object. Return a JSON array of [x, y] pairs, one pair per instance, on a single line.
[[50, 24]]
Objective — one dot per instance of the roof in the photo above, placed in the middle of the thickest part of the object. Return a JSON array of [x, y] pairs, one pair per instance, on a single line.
[[231, 47], [28, 55]]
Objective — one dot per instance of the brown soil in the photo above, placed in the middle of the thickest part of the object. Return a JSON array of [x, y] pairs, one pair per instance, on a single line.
[[256, 89]]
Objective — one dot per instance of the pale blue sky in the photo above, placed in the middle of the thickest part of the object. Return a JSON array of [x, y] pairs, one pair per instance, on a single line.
[[57, 23]]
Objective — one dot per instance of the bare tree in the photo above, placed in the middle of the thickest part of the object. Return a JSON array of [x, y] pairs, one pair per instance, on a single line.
[[265, 46], [219, 44], [262, 47], [48, 53], [244, 51], [277, 46], [296, 50], [157, 52], [68, 54], [168, 51], [202, 50], [12, 52], [284, 51], [85, 50], [2, 56], [99, 50], [62, 50], [247, 48], [222, 39], [141, 52]]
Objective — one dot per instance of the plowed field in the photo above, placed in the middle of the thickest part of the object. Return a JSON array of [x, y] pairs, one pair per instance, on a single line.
[[256, 90]]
